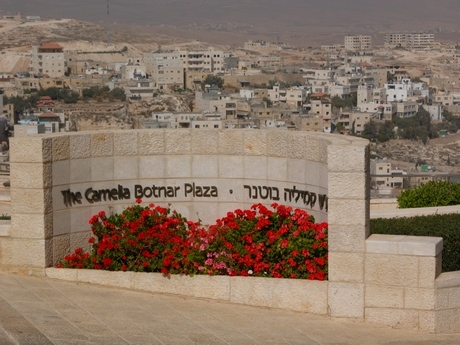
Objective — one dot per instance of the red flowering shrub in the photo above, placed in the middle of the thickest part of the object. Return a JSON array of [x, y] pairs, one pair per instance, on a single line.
[[283, 243], [280, 243]]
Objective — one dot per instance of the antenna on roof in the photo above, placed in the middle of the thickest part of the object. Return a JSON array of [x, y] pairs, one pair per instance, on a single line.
[[108, 24]]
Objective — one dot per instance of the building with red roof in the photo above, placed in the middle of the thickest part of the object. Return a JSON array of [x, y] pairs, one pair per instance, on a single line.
[[48, 60]]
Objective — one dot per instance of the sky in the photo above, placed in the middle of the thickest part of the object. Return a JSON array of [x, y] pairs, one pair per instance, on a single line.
[[340, 16]]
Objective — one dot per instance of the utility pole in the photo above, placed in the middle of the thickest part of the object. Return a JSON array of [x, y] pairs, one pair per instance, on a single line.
[[108, 24]]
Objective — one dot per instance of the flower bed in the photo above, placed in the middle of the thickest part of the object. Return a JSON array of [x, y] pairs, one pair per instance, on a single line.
[[280, 242]]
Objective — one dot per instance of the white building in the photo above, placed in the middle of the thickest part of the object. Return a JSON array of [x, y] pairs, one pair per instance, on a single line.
[[358, 43]]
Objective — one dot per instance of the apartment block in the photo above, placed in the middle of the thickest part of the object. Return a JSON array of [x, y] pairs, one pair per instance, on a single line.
[[409, 40], [48, 60], [359, 42]]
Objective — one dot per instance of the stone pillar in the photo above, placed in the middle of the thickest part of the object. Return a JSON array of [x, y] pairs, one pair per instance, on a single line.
[[30, 245], [348, 216]]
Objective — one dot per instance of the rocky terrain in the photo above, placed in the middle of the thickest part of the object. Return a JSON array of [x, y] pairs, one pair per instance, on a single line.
[[121, 115], [405, 153]]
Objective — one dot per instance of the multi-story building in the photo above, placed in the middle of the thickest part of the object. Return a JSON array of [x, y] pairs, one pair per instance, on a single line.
[[320, 105], [359, 42], [419, 41], [409, 40], [48, 60], [386, 175], [406, 109]]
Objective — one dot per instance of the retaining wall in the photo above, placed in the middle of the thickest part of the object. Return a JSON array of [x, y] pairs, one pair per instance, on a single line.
[[59, 181]]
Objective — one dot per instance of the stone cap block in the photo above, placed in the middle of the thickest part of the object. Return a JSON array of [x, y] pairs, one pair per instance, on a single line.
[[448, 279], [404, 245]]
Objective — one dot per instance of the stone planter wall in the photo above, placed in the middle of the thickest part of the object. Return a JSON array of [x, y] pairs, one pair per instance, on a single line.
[[391, 280]]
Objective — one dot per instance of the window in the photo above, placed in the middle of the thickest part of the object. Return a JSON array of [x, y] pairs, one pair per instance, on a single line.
[[216, 126], [197, 126]]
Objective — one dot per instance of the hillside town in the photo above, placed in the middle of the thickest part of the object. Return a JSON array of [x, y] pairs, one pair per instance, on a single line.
[[404, 95]]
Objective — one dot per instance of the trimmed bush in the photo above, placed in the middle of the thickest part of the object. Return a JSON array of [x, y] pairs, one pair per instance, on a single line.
[[446, 226], [431, 194]]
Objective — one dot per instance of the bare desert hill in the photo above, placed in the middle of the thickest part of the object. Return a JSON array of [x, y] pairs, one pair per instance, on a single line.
[[299, 22]]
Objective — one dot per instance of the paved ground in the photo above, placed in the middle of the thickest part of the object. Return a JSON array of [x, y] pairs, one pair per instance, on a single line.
[[39, 311]]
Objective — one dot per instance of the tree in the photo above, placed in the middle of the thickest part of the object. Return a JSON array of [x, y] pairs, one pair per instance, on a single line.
[[118, 93], [212, 79]]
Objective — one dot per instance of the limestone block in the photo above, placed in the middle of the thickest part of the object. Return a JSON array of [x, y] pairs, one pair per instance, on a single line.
[[290, 294], [348, 211], [101, 168], [178, 166], [420, 245], [448, 279], [31, 175], [347, 238], [80, 146], [79, 219], [348, 185], [255, 167], [205, 166], [278, 143], [313, 173], [383, 244], [125, 168], [61, 247], [296, 146], [255, 143], [25, 252], [427, 321], [299, 295], [66, 274], [419, 299], [61, 148], [346, 299], [231, 167], [31, 200], [178, 142], [381, 296], [205, 142], [80, 170], [397, 318], [205, 211], [323, 176], [447, 321], [392, 270], [454, 297], [348, 158], [428, 269], [441, 299], [277, 169], [231, 142], [61, 173], [31, 226], [125, 143], [152, 166], [106, 278], [346, 267], [323, 147], [80, 240], [30, 149], [230, 190], [102, 144], [296, 170], [312, 149], [61, 222], [151, 142], [202, 286]]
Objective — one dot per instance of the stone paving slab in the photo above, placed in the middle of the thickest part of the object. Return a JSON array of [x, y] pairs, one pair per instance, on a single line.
[[39, 311]]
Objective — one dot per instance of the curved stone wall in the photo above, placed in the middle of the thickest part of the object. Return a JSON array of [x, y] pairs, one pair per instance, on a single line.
[[60, 180]]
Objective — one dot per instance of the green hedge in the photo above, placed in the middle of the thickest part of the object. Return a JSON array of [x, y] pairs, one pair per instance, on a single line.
[[446, 226], [431, 194]]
